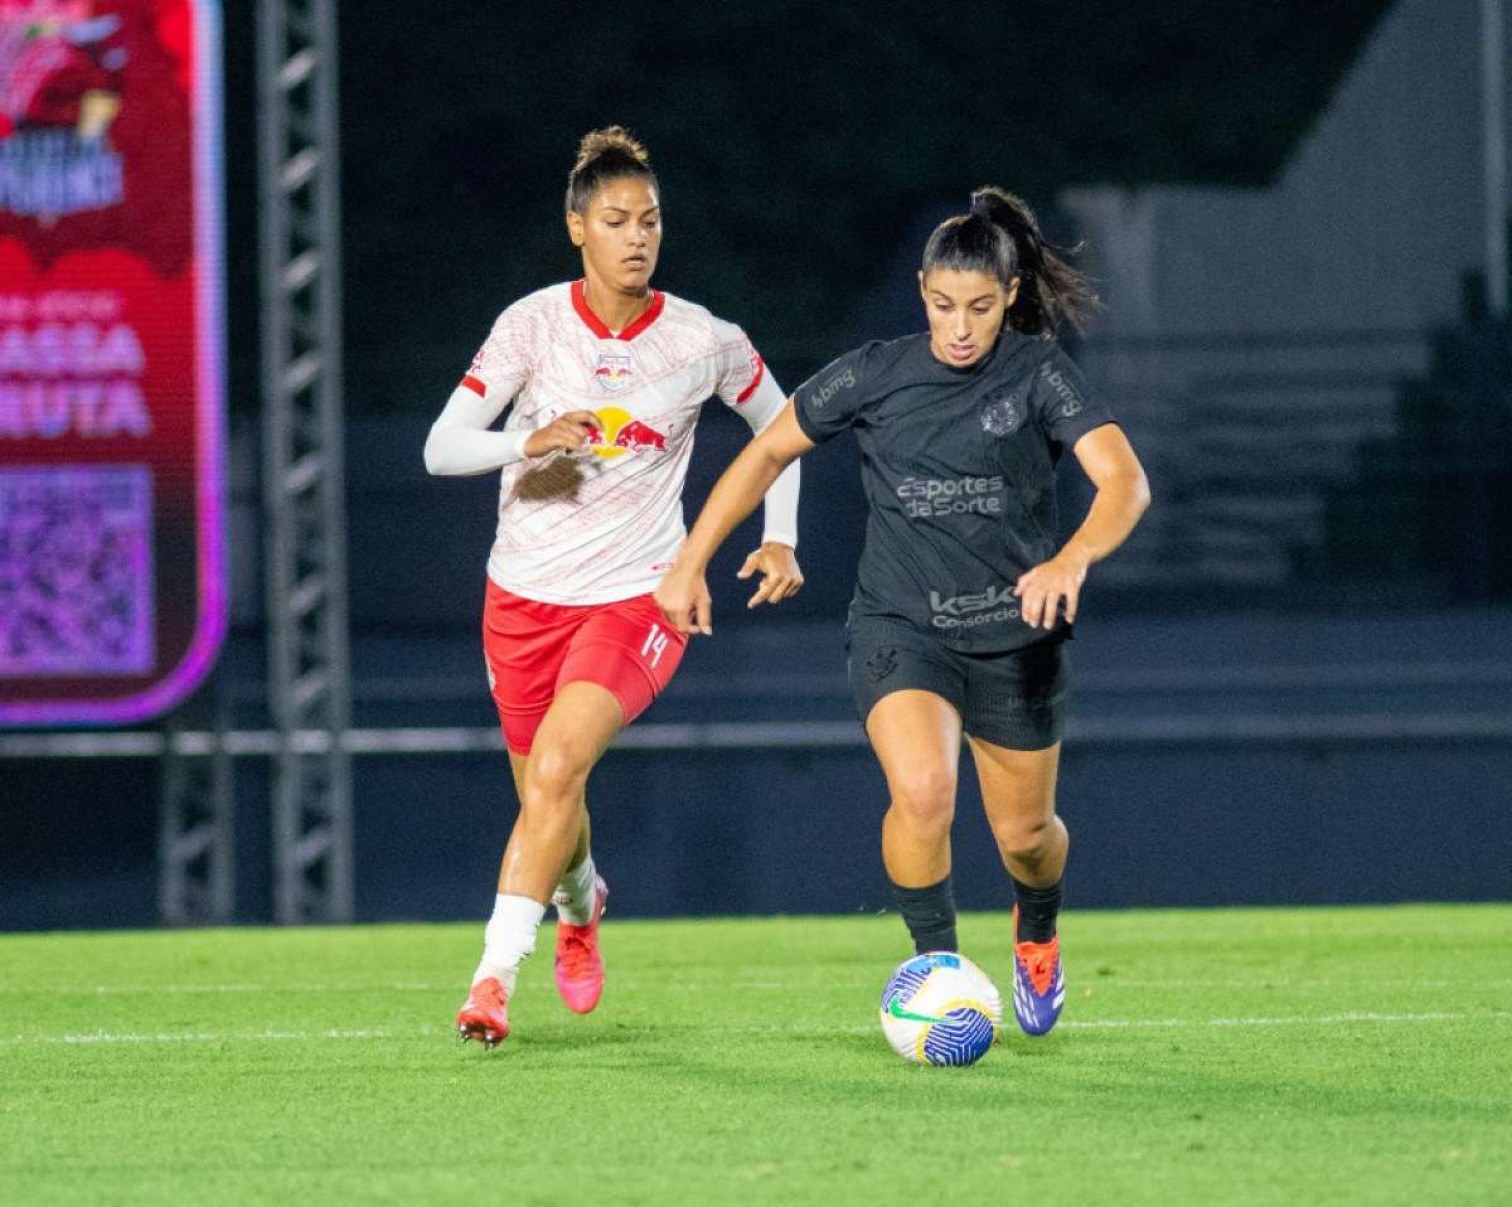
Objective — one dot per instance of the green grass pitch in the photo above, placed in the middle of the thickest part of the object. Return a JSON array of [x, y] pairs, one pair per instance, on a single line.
[[1231, 1056]]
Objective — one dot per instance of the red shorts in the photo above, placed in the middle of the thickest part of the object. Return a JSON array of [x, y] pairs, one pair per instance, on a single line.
[[533, 648]]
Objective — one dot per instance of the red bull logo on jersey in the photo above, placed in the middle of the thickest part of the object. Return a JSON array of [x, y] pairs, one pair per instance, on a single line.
[[619, 433], [638, 437], [614, 371]]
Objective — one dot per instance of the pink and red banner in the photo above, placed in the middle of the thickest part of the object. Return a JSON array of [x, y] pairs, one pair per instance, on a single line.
[[113, 599]]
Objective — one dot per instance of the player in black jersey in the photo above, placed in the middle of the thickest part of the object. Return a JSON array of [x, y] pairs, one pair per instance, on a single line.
[[962, 597]]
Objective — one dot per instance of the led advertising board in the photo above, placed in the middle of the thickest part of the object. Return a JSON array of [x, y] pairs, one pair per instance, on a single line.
[[113, 596]]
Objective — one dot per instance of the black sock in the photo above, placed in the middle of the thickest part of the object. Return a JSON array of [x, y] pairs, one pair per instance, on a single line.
[[1037, 908], [930, 915]]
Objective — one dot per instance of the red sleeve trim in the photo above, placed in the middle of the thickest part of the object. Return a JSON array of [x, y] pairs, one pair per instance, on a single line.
[[596, 324], [469, 382], [745, 395]]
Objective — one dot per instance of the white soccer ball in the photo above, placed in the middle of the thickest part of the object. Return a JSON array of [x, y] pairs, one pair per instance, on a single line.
[[941, 1009]]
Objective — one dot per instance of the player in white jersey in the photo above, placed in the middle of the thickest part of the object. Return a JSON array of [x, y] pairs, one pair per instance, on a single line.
[[604, 379]]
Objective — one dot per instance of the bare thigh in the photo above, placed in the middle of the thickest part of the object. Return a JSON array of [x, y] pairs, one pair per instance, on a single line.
[[1018, 786], [917, 738]]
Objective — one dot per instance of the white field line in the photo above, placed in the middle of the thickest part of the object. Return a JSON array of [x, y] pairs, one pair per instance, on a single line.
[[229, 988], [212, 1037], [207, 1037], [1284, 1020], [346, 987], [1461, 985]]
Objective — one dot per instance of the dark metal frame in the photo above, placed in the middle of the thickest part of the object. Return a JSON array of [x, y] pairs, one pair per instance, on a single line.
[[309, 678]]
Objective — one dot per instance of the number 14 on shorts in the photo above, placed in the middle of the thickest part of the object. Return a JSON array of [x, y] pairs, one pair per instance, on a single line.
[[655, 644]]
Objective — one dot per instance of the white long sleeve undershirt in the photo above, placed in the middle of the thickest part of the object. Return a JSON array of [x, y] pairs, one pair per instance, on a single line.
[[461, 442]]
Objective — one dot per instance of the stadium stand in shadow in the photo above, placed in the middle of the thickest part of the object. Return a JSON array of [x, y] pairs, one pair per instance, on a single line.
[[1435, 496], [1255, 340]]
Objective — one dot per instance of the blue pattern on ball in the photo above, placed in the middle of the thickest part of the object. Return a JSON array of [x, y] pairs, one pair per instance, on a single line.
[[905, 982], [963, 1040]]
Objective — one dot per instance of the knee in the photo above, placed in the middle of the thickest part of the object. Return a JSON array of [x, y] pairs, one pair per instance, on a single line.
[[554, 779], [1026, 841], [925, 797]]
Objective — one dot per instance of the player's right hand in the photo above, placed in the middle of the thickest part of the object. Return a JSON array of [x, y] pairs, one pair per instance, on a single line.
[[683, 597], [568, 433]]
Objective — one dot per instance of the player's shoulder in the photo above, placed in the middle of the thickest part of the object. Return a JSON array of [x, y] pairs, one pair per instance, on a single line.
[[874, 368], [700, 322], [1039, 349], [1019, 355], [882, 359], [1045, 357], [546, 302], [898, 351]]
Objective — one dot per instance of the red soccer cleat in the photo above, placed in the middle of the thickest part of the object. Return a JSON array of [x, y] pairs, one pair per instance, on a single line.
[[579, 963], [485, 1014]]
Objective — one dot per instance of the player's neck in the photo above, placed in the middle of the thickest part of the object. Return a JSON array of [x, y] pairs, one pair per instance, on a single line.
[[615, 310]]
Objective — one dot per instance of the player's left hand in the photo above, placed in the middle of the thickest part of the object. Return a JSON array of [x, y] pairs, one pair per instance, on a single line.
[[780, 576], [683, 597], [1051, 587]]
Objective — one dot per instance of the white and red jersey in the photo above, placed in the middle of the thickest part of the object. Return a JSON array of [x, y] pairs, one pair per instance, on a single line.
[[605, 524]]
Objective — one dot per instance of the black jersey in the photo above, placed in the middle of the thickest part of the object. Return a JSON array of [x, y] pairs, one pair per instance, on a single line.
[[958, 466]]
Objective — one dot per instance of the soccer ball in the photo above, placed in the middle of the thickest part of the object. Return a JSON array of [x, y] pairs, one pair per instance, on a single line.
[[941, 1009]]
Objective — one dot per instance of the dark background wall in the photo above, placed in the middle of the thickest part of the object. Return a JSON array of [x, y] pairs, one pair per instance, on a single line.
[[797, 143]]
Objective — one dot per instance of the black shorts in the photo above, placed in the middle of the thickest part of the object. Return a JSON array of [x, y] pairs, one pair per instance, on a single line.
[[1016, 700]]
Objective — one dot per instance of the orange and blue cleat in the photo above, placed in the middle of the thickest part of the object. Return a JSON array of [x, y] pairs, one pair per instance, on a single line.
[[485, 1014], [579, 963], [1039, 983]]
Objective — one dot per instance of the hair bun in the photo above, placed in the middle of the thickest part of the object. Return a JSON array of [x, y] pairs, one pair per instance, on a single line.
[[613, 141]]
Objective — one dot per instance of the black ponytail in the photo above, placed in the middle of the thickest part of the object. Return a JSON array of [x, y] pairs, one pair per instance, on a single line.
[[1001, 237], [605, 155]]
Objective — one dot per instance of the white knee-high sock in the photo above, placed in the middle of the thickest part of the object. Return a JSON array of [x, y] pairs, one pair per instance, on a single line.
[[508, 938], [574, 895]]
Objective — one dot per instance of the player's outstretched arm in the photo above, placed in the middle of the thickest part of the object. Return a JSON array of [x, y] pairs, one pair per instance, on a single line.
[[1123, 494], [683, 595]]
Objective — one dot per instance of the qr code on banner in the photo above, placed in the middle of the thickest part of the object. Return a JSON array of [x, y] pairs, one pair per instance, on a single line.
[[76, 571]]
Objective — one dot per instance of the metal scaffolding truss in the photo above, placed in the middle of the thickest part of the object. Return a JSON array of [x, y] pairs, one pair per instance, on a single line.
[[196, 855], [309, 687]]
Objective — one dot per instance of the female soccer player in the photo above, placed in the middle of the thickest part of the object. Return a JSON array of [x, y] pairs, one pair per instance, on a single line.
[[962, 600], [606, 376]]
